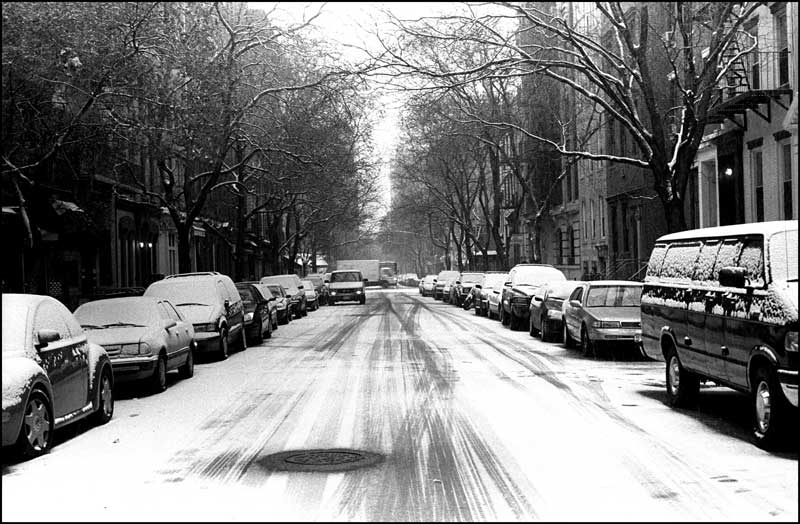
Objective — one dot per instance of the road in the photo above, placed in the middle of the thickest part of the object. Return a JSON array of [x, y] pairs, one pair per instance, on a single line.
[[472, 422]]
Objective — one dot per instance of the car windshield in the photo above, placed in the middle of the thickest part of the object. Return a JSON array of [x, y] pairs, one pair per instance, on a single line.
[[15, 317], [347, 276], [114, 313], [561, 290], [614, 296], [185, 291], [307, 285], [286, 281], [537, 275], [277, 290], [475, 278], [783, 258], [246, 294], [316, 280]]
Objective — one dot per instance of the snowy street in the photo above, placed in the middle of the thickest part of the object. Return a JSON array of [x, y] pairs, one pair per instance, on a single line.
[[472, 421]]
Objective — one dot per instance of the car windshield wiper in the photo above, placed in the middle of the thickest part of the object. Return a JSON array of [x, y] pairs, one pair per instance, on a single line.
[[91, 326], [191, 304], [123, 324]]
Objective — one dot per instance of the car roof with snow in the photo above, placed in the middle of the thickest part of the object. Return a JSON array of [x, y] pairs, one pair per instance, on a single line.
[[613, 283], [763, 228]]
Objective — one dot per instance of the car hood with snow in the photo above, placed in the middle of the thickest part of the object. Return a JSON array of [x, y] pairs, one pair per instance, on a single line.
[[200, 314], [120, 335]]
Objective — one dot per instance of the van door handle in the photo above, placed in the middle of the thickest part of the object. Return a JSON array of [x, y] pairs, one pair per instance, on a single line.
[[724, 350], [687, 341]]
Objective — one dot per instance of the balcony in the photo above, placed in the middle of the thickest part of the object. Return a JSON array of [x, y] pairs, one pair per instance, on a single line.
[[753, 80]]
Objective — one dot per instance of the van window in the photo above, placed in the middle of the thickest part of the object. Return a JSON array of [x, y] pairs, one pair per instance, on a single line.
[[783, 259], [727, 256], [704, 266], [656, 258], [679, 261], [752, 260]]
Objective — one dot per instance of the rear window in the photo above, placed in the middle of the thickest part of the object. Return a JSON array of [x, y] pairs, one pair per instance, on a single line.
[[246, 294], [614, 296]]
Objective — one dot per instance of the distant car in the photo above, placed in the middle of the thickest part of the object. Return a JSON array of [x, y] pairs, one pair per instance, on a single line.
[[294, 289], [523, 280], [258, 323], [52, 374], [545, 310], [211, 302], [463, 286], [318, 279], [145, 337], [311, 295], [603, 311], [488, 300], [441, 279], [282, 303], [426, 285]]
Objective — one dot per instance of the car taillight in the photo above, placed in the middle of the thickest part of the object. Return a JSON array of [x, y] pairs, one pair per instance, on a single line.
[[201, 328]]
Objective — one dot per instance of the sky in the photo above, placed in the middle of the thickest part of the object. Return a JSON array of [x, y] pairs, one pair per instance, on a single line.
[[351, 24]]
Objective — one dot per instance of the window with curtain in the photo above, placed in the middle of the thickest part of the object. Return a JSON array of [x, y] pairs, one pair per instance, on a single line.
[[786, 154], [757, 168]]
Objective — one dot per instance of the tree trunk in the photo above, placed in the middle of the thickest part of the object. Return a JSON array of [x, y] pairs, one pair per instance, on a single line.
[[673, 210], [184, 247], [241, 225]]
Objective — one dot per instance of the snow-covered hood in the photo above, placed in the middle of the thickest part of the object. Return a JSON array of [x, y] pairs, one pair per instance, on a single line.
[[120, 335], [201, 314]]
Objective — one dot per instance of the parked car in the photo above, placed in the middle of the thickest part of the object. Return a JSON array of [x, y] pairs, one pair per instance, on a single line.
[[409, 279], [318, 280], [347, 284], [523, 280], [211, 302], [449, 284], [41, 340], [441, 279], [426, 285], [282, 304], [145, 337], [311, 295], [601, 312], [546, 308], [721, 304], [463, 286], [258, 323], [294, 289], [488, 300]]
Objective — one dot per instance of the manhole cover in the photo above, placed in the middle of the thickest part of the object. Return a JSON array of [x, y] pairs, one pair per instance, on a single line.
[[320, 460]]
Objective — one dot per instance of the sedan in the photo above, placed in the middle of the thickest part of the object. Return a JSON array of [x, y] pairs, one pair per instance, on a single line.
[[258, 323], [463, 287], [426, 285], [601, 312], [282, 304], [491, 293], [545, 310], [42, 340], [145, 337], [311, 295]]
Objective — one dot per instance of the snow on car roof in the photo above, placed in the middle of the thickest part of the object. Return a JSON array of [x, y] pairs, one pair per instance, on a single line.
[[765, 228], [613, 283]]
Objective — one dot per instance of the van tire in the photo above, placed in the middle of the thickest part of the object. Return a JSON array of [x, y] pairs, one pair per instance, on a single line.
[[683, 386], [770, 409]]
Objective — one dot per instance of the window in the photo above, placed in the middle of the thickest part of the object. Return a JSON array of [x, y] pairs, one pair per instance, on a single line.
[[726, 257], [576, 243], [592, 218], [172, 253], [624, 218], [614, 236], [752, 260], [786, 156], [568, 245], [782, 44], [584, 216], [757, 169], [602, 207], [656, 259], [50, 316], [679, 261], [704, 265], [559, 245]]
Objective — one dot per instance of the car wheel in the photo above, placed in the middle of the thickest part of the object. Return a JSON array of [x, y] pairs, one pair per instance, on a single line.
[[187, 369], [275, 322], [501, 312], [531, 329], [223, 351], [105, 399], [268, 333], [363, 300], [304, 311], [514, 322], [544, 331], [587, 346], [683, 386], [242, 343], [158, 382], [259, 338], [770, 409], [36, 433], [568, 342]]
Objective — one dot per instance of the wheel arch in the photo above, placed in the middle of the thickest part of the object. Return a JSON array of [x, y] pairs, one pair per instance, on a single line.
[[761, 356]]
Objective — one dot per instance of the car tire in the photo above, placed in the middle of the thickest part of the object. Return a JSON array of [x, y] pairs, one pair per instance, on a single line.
[[223, 351], [105, 398], [544, 332], [242, 342], [770, 409], [567, 339], [514, 322], [304, 311], [587, 346], [683, 386], [187, 369], [501, 312], [259, 338], [158, 382], [268, 333], [36, 434], [275, 322], [363, 300], [531, 329]]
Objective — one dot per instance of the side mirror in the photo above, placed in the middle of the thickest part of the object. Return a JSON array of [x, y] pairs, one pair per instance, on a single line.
[[300, 286], [327, 281], [478, 286], [732, 277], [45, 336], [458, 282], [574, 303], [169, 324], [434, 280]]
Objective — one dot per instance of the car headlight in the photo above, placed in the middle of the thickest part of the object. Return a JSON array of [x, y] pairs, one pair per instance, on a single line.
[[554, 314], [205, 328], [333, 293], [248, 317], [129, 349], [790, 341], [144, 348], [606, 324], [358, 291]]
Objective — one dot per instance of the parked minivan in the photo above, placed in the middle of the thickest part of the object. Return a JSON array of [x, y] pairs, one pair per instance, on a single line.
[[211, 302], [720, 304]]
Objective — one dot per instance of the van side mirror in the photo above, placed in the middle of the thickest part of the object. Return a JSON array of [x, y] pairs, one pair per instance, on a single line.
[[732, 277], [45, 336], [458, 282]]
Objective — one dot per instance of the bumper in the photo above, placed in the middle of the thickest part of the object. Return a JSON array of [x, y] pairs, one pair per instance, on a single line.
[[521, 310], [340, 296], [133, 368], [12, 421], [788, 381], [634, 336], [207, 341]]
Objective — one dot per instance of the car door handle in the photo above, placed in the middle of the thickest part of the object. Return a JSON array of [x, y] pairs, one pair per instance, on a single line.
[[687, 341], [724, 350]]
